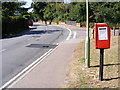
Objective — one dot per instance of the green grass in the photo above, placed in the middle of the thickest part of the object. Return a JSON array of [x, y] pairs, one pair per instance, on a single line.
[[83, 77]]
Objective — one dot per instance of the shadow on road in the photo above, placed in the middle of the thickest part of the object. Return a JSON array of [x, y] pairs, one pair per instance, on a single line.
[[31, 31], [40, 32]]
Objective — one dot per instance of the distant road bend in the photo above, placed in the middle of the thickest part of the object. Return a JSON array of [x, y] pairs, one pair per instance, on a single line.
[[21, 50]]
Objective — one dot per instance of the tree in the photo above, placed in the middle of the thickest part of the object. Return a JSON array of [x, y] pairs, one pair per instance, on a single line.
[[105, 11], [60, 12], [23, 11], [116, 13], [108, 12], [39, 9], [9, 8], [50, 12], [77, 12]]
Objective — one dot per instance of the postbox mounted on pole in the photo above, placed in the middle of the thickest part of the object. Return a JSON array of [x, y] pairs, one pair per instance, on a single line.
[[102, 41]]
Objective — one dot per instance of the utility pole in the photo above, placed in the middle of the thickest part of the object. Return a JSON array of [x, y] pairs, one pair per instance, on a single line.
[[87, 42]]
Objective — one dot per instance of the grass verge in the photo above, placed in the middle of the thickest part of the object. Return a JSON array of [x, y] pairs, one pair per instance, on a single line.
[[79, 76]]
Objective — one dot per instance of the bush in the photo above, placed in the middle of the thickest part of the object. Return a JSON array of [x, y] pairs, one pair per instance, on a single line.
[[83, 24], [56, 20], [13, 24], [91, 24]]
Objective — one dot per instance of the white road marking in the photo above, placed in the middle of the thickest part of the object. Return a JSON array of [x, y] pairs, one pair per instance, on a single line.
[[28, 45], [26, 70], [2, 50], [74, 36], [57, 43], [70, 32]]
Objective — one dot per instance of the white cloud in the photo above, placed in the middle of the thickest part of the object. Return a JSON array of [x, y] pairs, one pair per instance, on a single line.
[[28, 3]]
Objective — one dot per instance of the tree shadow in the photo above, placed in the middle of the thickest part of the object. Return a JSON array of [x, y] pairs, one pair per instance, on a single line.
[[39, 25], [31, 32], [41, 32]]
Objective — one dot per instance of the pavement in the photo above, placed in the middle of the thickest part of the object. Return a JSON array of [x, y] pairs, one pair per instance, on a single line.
[[51, 72]]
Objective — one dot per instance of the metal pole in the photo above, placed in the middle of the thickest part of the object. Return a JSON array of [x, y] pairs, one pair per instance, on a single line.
[[114, 30], [87, 42], [119, 31], [101, 64]]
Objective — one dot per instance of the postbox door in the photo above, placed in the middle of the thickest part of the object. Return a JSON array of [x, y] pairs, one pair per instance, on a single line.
[[102, 36]]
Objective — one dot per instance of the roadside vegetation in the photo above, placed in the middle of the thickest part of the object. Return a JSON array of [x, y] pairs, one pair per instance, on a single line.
[[12, 19], [15, 17], [99, 12], [79, 76]]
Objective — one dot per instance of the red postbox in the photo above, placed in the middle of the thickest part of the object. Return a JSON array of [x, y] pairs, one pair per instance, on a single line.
[[102, 36], [102, 41]]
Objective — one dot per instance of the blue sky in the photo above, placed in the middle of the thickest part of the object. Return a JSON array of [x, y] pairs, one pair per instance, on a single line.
[[28, 3]]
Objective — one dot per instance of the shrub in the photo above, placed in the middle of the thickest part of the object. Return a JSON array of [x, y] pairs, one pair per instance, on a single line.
[[13, 24], [83, 24], [91, 24]]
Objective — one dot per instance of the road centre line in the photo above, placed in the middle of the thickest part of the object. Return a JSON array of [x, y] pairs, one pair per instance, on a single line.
[[70, 32], [74, 36], [2, 50]]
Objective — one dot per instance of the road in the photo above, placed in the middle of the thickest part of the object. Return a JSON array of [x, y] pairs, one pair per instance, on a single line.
[[52, 71], [23, 49]]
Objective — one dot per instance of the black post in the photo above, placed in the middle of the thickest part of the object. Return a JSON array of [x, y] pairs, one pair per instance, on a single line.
[[114, 30], [101, 64]]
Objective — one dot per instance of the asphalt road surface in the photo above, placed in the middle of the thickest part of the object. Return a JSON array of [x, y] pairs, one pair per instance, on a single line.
[[23, 49]]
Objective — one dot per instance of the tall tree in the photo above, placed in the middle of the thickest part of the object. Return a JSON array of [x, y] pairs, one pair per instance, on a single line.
[[60, 12], [9, 8], [50, 12], [77, 11], [39, 9]]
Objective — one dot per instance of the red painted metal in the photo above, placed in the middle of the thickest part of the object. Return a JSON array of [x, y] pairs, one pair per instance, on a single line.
[[101, 43]]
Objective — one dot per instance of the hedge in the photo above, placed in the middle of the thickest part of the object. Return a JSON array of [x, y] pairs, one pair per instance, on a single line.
[[13, 25]]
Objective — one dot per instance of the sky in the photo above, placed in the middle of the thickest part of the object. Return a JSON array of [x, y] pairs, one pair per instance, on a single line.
[[28, 4]]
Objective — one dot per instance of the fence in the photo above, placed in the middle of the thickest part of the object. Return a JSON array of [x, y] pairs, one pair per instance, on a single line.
[[71, 23], [115, 31]]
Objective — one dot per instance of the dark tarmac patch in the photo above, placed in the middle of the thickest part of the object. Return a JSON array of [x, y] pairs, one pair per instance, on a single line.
[[36, 36], [42, 46]]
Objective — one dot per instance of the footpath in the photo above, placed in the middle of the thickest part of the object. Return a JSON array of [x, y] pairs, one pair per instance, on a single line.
[[51, 72]]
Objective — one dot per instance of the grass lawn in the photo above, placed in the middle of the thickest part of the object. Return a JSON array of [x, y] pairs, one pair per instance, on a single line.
[[79, 76]]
